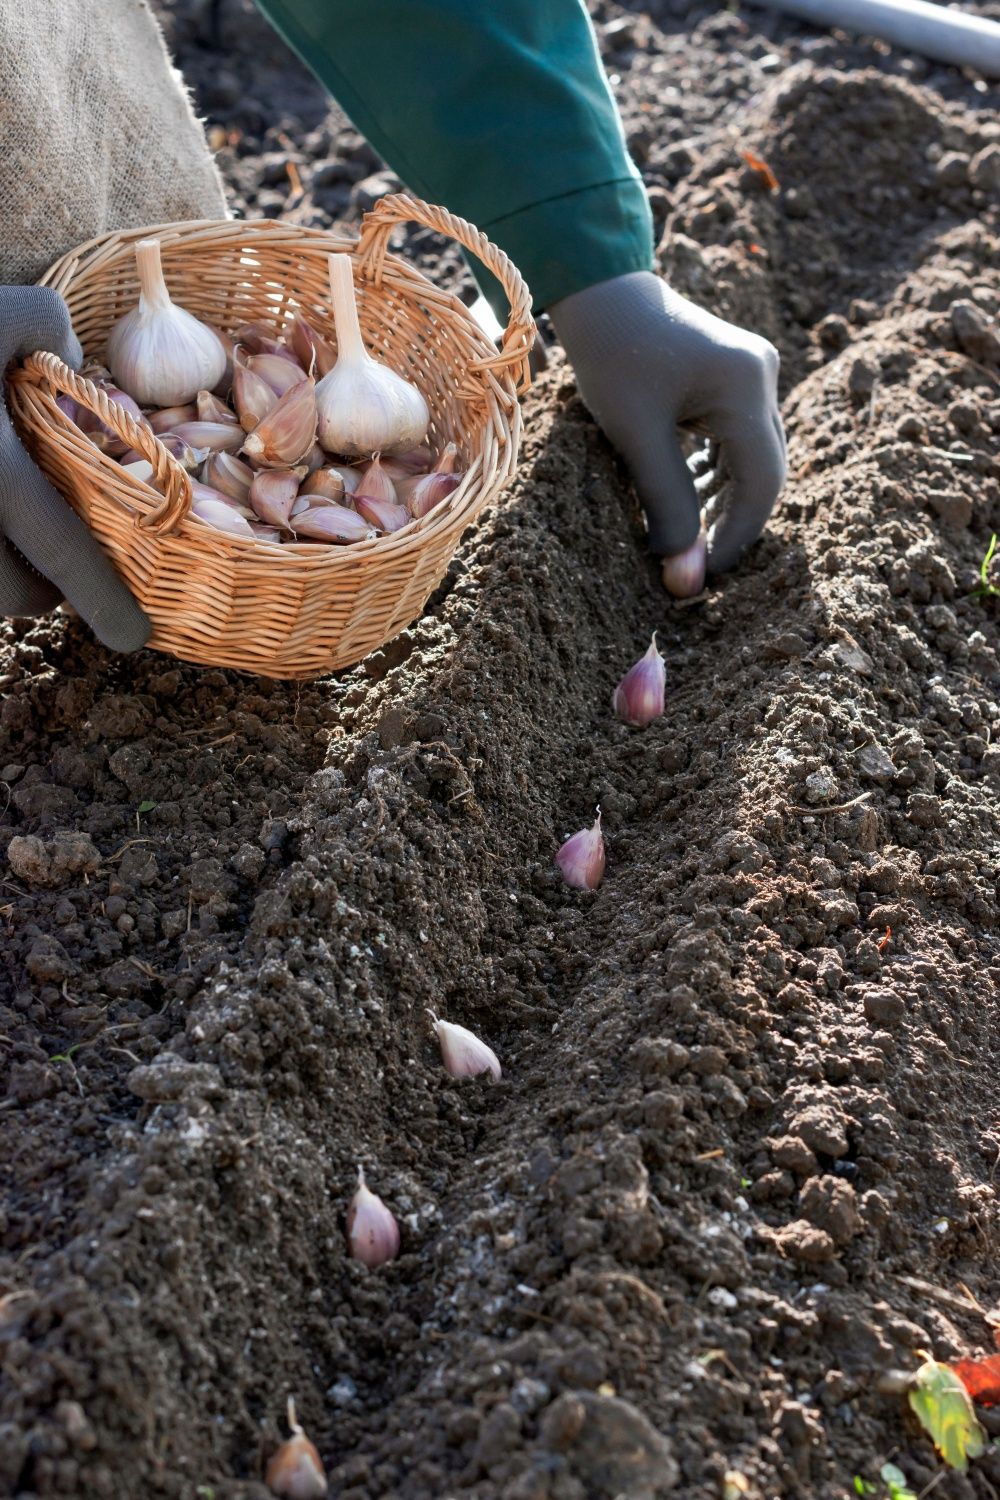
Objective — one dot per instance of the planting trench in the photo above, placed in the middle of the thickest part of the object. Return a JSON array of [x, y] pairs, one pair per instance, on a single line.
[[744, 1157]]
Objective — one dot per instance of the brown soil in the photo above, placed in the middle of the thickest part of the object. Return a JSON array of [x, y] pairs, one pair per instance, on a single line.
[[744, 1158]]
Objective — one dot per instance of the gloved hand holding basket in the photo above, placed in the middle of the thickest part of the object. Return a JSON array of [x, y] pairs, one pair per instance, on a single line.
[[295, 609]]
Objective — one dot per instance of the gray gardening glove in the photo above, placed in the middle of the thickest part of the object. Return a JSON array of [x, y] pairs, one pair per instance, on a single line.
[[648, 361], [46, 551]]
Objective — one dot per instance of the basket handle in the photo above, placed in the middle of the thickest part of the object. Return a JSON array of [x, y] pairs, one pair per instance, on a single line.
[[515, 346], [168, 475]]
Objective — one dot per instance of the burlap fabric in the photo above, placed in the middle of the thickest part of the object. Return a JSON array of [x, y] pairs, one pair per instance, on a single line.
[[96, 131]]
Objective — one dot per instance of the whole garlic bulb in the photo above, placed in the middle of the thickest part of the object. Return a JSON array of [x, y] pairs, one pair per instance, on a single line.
[[364, 407], [158, 353]]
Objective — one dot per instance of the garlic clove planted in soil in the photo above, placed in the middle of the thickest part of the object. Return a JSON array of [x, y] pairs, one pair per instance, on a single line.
[[364, 407], [286, 434], [684, 574], [464, 1054], [581, 858], [639, 697], [295, 1471], [372, 1231], [158, 352]]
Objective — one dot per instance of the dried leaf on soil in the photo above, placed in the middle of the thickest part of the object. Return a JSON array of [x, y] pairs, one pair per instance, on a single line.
[[942, 1406]]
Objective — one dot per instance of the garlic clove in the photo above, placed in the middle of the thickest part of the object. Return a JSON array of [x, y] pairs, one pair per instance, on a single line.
[[220, 515], [287, 433], [188, 457], [420, 460], [266, 533], [315, 459], [217, 437], [202, 491], [273, 493], [464, 1054], [258, 338], [684, 574], [581, 858], [253, 398], [364, 407], [325, 482], [428, 490], [384, 514], [172, 416], [332, 523], [226, 472], [211, 409], [67, 406], [639, 697], [376, 483], [295, 1471], [372, 1231], [158, 352], [279, 371], [314, 353], [101, 435]]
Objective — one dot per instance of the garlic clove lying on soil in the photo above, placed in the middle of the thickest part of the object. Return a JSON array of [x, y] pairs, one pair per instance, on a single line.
[[273, 493], [295, 1471], [332, 523], [639, 697], [684, 574], [158, 352], [372, 1231], [364, 407], [581, 858], [287, 433], [464, 1054]]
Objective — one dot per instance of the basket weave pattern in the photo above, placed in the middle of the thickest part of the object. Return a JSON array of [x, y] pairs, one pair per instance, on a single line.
[[296, 610]]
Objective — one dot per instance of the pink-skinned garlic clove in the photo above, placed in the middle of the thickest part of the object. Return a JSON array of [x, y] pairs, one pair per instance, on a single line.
[[582, 858], [464, 1054], [640, 696], [372, 1231]]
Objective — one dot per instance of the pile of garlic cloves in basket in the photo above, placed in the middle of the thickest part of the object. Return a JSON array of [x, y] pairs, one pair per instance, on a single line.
[[286, 439]]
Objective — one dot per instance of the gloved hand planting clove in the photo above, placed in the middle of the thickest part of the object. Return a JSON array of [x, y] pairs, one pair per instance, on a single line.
[[647, 362]]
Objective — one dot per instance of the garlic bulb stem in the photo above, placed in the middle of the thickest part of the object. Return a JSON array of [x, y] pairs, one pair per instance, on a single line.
[[345, 310]]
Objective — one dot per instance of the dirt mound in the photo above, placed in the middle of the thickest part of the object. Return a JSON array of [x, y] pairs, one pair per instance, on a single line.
[[743, 1157]]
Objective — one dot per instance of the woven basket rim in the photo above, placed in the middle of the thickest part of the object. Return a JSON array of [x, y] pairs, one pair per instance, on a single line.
[[456, 512]]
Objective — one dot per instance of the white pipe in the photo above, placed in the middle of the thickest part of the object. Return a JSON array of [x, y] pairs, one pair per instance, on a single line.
[[951, 36]]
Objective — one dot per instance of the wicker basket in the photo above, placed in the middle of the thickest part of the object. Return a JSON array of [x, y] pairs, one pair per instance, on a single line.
[[291, 611]]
